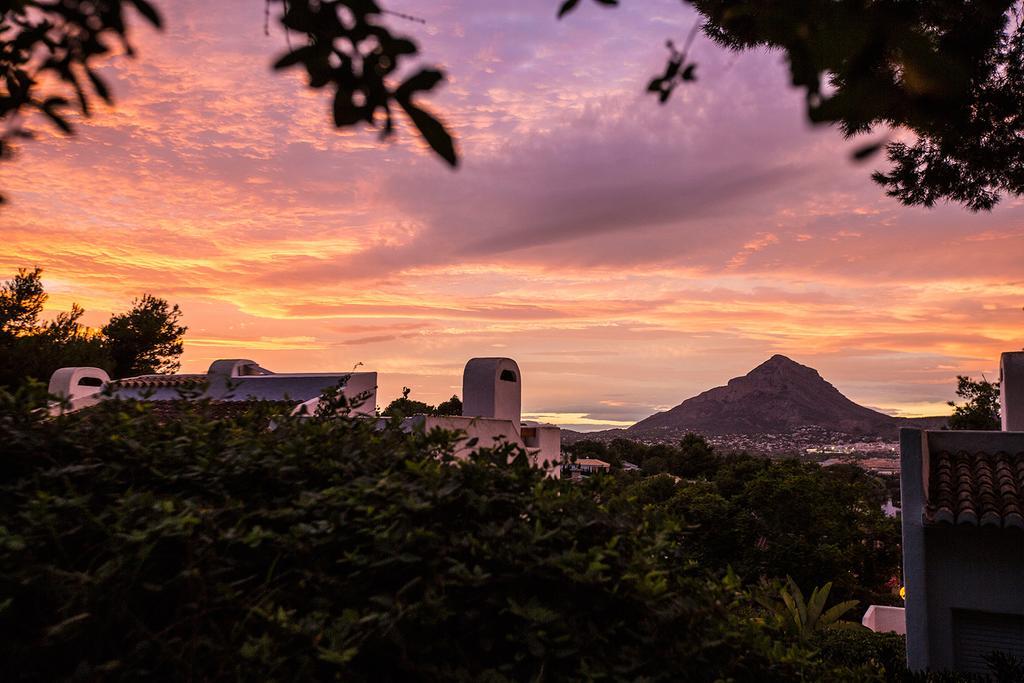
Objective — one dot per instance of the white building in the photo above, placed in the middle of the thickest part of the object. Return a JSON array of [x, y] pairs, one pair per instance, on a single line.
[[491, 391], [963, 537], [227, 381]]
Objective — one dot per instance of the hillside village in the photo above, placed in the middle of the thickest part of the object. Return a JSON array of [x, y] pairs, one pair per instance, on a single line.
[[778, 409]]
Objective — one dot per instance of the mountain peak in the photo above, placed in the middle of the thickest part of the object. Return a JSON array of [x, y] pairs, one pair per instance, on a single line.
[[778, 361], [777, 396], [778, 369]]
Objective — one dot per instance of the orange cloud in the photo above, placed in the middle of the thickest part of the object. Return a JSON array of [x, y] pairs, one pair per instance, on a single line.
[[628, 255]]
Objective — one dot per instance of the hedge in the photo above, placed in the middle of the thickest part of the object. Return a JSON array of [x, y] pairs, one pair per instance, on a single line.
[[274, 548]]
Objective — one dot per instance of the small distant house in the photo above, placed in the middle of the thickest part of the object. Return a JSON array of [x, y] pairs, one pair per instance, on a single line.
[[963, 537], [592, 466], [884, 466], [585, 467], [228, 382], [630, 467]]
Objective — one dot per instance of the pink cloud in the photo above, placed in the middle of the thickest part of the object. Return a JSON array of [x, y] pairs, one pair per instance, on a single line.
[[629, 255]]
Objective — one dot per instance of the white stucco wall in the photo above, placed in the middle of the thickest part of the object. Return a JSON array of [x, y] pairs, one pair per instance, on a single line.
[[488, 432], [544, 442], [1011, 391], [493, 387], [360, 389], [73, 383], [885, 619]]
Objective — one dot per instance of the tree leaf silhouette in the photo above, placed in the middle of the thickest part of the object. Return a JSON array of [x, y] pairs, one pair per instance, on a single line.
[[432, 131]]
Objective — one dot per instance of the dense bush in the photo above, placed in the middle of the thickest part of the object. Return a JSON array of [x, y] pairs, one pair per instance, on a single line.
[[136, 544], [884, 651], [885, 654], [769, 518]]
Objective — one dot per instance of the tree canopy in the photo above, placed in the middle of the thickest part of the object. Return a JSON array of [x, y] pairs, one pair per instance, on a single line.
[[136, 543], [767, 519], [146, 339], [980, 407], [407, 407], [940, 85], [946, 78]]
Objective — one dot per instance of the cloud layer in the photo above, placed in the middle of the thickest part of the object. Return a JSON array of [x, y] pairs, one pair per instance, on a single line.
[[627, 255]]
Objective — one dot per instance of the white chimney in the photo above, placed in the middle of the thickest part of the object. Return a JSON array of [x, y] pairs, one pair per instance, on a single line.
[[492, 387], [1011, 391], [72, 383]]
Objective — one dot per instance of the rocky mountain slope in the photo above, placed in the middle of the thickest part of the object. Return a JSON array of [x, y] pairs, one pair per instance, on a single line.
[[777, 396]]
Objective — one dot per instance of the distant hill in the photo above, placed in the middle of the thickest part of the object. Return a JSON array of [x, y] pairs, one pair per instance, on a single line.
[[779, 396]]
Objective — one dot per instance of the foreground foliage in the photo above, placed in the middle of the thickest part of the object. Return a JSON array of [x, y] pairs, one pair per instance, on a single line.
[[804, 617], [138, 544], [133, 545], [886, 654], [768, 519]]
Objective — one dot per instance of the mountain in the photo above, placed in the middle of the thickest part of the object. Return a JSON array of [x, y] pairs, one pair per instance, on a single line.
[[778, 396]]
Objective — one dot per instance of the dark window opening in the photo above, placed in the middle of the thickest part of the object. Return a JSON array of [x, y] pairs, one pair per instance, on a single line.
[[90, 382], [507, 376]]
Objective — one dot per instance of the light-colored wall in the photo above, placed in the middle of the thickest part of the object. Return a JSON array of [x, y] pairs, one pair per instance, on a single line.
[[1011, 391], [885, 619], [485, 394], [232, 379], [488, 432], [544, 444], [67, 382], [913, 484], [360, 389]]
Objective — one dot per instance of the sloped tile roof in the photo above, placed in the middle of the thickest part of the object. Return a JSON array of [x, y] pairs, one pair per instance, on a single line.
[[161, 381], [168, 410], [978, 489]]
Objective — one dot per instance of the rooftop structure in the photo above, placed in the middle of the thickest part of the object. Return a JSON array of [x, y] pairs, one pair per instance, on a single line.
[[885, 619], [963, 538], [491, 414], [228, 380], [491, 390]]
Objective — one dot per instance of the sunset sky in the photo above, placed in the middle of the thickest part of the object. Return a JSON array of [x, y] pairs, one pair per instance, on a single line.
[[627, 255]]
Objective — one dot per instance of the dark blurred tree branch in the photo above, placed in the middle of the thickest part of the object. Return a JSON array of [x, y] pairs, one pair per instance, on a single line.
[[47, 53], [348, 50], [949, 75], [946, 78]]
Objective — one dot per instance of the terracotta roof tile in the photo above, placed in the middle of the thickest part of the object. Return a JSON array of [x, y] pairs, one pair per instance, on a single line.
[[978, 489], [168, 410], [144, 381]]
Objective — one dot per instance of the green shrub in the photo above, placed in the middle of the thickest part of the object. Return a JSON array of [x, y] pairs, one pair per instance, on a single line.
[[885, 655], [886, 652], [136, 544]]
